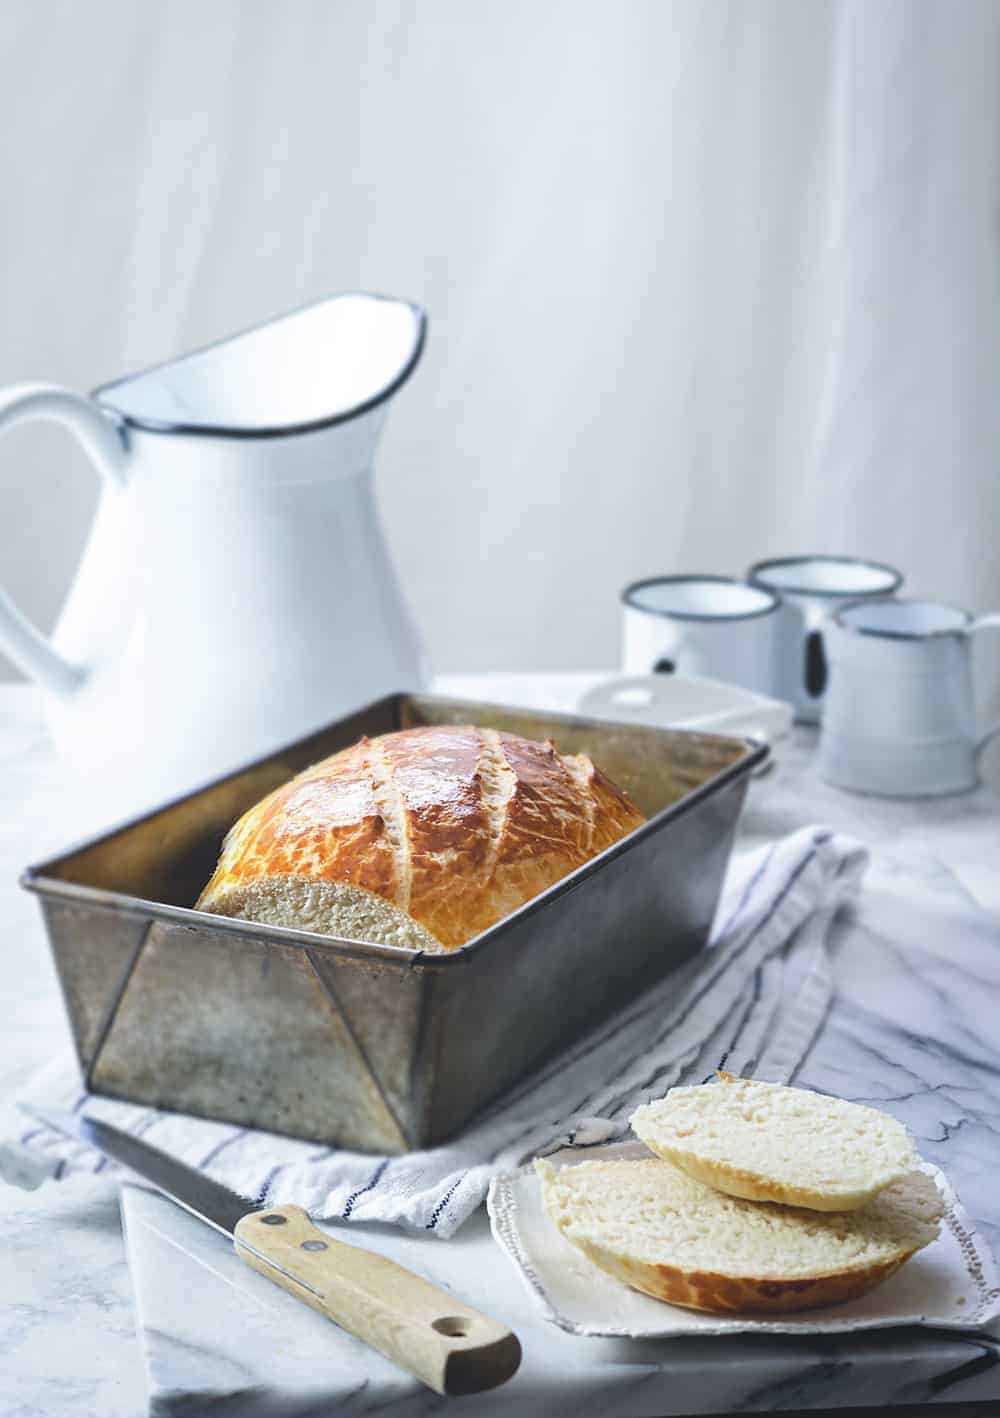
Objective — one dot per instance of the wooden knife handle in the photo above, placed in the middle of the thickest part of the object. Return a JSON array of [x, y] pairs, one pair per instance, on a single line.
[[447, 1345]]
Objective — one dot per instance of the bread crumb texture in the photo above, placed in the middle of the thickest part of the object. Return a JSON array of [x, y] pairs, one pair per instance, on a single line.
[[326, 908], [767, 1142], [673, 1237]]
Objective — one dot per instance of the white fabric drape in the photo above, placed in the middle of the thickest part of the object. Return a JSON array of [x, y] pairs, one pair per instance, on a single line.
[[708, 281]]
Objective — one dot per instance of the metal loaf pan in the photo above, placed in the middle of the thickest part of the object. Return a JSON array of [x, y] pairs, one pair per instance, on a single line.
[[373, 1046]]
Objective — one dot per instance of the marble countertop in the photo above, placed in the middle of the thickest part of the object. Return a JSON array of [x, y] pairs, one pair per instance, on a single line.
[[69, 1321]]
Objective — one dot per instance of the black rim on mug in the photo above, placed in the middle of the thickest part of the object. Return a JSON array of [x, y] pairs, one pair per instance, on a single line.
[[757, 574], [630, 593], [872, 602]]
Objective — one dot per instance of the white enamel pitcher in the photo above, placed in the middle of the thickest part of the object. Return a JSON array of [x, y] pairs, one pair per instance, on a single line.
[[236, 591]]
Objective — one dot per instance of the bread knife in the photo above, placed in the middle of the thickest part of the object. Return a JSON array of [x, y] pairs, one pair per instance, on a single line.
[[449, 1346]]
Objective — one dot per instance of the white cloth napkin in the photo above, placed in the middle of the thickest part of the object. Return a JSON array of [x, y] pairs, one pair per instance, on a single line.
[[752, 1002]]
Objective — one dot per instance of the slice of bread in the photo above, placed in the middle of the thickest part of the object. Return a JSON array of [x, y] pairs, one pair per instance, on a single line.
[[660, 1231], [766, 1142]]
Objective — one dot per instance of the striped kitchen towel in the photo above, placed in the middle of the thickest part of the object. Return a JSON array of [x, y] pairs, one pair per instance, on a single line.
[[752, 1003]]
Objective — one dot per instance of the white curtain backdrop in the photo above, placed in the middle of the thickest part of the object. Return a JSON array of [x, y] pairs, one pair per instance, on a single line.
[[708, 280]]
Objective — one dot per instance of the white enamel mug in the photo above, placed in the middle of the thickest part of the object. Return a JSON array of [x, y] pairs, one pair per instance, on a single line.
[[713, 627], [900, 715], [811, 587]]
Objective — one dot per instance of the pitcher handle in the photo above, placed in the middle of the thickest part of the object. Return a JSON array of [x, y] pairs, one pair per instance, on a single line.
[[986, 622], [102, 438]]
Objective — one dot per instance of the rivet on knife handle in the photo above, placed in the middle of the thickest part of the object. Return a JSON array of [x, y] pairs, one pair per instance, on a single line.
[[447, 1345]]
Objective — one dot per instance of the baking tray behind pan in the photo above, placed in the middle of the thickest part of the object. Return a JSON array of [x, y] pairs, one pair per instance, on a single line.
[[372, 1046]]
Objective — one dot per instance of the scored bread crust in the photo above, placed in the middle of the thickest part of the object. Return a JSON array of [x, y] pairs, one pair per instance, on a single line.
[[662, 1232], [678, 1139], [420, 838]]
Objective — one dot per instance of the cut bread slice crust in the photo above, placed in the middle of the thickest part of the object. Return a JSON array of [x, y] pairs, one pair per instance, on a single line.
[[766, 1142], [672, 1237]]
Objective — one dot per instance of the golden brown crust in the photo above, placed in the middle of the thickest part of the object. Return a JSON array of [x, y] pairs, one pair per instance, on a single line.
[[727, 1294], [454, 825], [752, 1186]]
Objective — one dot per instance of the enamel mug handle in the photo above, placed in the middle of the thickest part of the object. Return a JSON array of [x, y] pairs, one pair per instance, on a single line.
[[986, 622], [101, 437]]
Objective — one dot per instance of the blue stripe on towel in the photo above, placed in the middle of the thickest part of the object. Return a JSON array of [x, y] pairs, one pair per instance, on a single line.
[[376, 1178], [436, 1213], [264, 1189]]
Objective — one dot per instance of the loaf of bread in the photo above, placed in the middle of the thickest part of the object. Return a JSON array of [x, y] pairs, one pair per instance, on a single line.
[[767, 1142], [662, 1232], [421, 838]]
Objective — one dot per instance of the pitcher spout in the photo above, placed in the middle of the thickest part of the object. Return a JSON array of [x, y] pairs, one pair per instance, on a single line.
[[324, 364]]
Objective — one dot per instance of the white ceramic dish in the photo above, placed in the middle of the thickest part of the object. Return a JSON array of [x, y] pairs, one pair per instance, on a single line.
[[951, 1285], [685, 702]]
